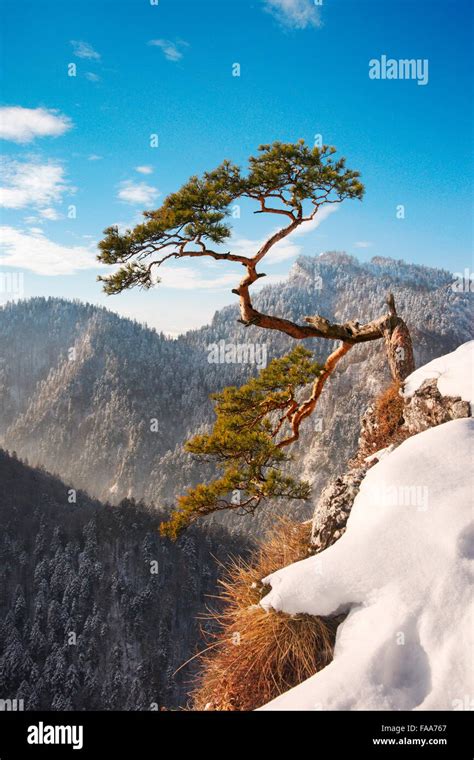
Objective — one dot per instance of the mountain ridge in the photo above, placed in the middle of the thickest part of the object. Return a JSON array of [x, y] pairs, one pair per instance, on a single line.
[[97, 431]]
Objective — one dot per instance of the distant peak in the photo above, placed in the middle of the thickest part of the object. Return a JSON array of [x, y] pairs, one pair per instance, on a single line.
[[334, 258], [337, 257]]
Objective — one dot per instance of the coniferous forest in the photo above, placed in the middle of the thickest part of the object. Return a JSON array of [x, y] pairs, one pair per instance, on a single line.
[[97, 612]]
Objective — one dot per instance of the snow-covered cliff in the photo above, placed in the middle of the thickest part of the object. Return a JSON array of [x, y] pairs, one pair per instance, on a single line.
[[402, 570]]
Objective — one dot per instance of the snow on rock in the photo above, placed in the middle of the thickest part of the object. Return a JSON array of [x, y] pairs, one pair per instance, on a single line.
[[403, 571], [380, 454], [454, 373]]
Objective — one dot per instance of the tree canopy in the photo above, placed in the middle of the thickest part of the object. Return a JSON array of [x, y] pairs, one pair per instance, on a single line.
[[288, 180]]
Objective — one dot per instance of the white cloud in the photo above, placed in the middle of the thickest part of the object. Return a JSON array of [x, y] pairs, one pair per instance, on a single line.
[[92, 77], [187, 278], [94, 157], [32, 184], [297, 14], [171, 50], [137, 193], [363, 244], [36, 253], [49, 213], [190, 278], [144, 169], [320, 217], [84, 50], [286, 248], [22, 125]]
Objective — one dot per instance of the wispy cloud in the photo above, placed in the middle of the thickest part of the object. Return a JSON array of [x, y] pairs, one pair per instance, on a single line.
[[94, 157], [92, 77], [282, 251], [187, 278], [83, 49], [31, 184], [320, 217], [296, 14], [35, 252], [286, 248], [22, 125], [137, 193], [49, 213], [173, 51], [363, 244], [190, 278], [144, 169]]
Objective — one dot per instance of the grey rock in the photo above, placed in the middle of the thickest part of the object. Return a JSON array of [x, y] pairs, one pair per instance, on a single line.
[[333, 508], [424, 409], [428, 408]]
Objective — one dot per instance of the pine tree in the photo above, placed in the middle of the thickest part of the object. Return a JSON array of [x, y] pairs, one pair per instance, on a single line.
[[248, 441], [292, 181]]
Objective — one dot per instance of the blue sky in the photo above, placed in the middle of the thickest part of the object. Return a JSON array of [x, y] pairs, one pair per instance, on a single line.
[[166, 69]]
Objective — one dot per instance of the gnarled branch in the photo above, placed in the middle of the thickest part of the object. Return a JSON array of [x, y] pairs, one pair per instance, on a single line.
[[307, 408]]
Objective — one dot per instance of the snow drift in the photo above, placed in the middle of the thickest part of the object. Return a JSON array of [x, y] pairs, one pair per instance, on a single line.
[[454, 373], [403, 572]]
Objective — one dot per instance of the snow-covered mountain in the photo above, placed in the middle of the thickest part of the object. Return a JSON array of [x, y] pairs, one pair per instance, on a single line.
[[402, 570], [107, 403]]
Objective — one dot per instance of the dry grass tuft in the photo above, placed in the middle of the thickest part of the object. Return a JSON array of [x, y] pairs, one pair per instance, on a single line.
[[388, 428], [257, 655]]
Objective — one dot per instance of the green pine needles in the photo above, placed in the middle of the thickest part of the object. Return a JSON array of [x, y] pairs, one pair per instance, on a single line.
[[247, 443]]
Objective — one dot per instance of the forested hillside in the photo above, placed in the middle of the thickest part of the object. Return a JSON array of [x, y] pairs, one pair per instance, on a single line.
[[96, 610]]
